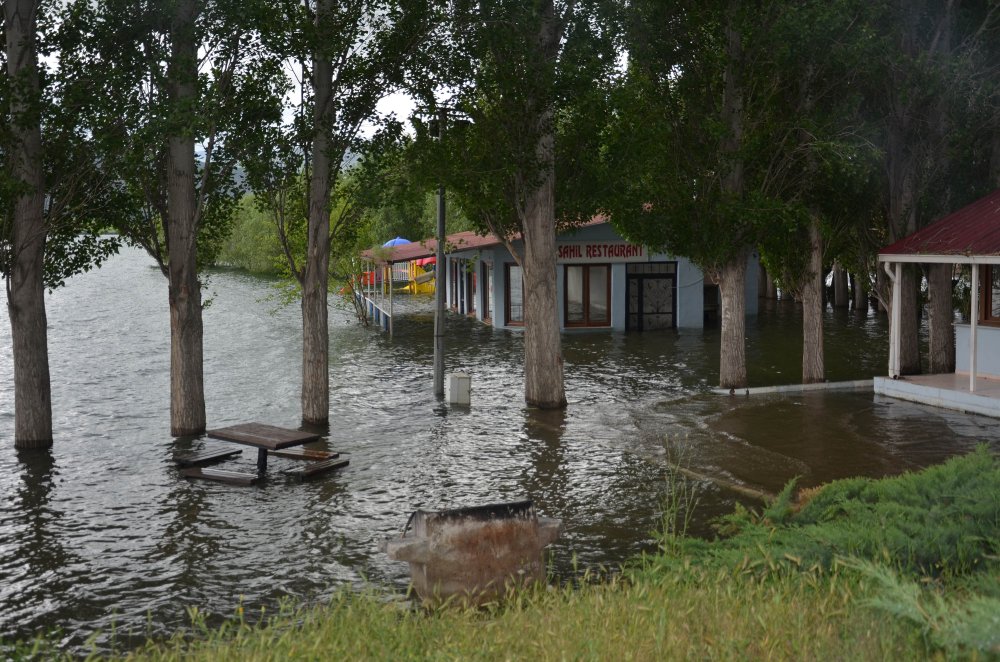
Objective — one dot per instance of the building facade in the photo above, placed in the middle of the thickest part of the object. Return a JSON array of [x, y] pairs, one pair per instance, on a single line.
[[603, 283]]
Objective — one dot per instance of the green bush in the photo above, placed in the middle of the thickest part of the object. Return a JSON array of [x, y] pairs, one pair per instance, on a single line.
[[942, 521], [253, 244]]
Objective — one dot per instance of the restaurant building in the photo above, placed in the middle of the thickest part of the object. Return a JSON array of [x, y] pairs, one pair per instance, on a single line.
[[604, 282]]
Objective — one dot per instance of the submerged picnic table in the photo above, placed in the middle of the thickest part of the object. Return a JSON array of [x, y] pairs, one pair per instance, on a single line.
[[268, 440], [264, 438]]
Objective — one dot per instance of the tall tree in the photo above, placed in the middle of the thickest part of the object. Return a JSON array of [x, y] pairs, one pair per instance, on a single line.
[[820, 165], [25, 288], [170, 110], [522, 75], [688, 146], [53, 192], [350, 55], [925, 60]]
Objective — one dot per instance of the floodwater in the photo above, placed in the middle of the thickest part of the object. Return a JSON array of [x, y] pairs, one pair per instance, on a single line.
[[102, 535]]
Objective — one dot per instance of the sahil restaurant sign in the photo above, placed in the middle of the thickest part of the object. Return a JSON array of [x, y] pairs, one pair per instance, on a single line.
[[588, 252]]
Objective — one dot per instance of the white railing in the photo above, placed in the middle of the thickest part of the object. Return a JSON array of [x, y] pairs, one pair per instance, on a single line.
[[375, 293], [401, 272]]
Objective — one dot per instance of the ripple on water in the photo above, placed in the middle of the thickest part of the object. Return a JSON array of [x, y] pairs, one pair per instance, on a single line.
[[102, 533]]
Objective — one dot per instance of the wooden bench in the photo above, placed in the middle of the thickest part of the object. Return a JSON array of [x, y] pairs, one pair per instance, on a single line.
[[304, 454], [232, 477], [317, 468], [206, 457]]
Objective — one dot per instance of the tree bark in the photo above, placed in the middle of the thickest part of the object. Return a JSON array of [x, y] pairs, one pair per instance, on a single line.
[[732, 275], [765, 284], [840, 297], [187, 390], [883, 290], [315, 277], [543, 363], [909, 315], [811, 294], [941, 316], [733, 353], [25, 283], [860, 297], [901, 165], [770, 291]]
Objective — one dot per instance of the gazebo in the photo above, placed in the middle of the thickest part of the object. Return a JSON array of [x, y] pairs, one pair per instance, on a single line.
[[969, 236]]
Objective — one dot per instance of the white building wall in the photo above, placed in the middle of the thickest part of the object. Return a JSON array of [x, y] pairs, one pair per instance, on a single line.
[[690, 295], [987, 350], [619, 283]]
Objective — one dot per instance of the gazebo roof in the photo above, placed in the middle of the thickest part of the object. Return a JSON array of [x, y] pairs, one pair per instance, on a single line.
[[972, 231]]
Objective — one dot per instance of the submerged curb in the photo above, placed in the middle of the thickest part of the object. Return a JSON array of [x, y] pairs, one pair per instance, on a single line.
[[856, 385]]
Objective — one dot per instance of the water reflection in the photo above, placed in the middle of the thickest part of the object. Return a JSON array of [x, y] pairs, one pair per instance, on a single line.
[[35, 564], [102, 531]]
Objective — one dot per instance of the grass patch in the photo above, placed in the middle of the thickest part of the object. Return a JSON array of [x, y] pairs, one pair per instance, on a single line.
[[696, 614]]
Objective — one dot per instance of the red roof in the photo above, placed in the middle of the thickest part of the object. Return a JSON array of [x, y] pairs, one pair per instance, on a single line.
[[460, 241], [973, 230], [453, 243]]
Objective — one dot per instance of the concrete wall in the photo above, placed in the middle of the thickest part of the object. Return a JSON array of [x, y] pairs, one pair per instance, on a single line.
[[987, 350]]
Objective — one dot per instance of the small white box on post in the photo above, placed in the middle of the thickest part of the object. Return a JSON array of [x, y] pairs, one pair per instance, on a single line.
[[459, 391]]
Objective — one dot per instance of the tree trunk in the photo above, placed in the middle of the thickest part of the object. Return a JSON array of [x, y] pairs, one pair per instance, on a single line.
[[315, 277], [543, 363], [732, 275], [901, 166], [909, 315], [770, 291], [860, 297], [187, 389], [25, 285], [882, 288], [733, 352], [941, 316], [840, 298], [763, 281], [811, 294]]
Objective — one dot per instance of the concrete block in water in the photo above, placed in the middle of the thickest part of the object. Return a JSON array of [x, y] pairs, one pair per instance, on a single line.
[[458, 388]]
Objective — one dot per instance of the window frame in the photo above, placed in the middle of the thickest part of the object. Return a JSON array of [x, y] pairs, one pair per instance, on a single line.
[[487, 291], [985, 312], [506, 295], [587, 322]]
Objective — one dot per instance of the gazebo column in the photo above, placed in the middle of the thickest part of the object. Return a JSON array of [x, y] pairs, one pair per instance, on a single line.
[[895, 273], [973, 319]]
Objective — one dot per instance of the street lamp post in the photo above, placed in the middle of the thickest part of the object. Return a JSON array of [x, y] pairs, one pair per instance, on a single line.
[[440, 277]]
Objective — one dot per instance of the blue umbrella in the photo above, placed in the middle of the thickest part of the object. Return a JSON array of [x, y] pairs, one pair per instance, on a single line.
[[397, 242]]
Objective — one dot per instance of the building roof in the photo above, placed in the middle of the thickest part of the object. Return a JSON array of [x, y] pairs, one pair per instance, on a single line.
[[453, 243], [460, 241], [972, 231]]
